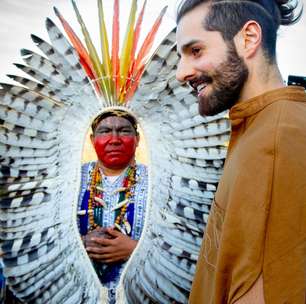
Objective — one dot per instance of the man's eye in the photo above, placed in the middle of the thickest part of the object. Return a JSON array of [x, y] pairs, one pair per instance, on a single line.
[[195, 51], [126, 131], [103, 131]]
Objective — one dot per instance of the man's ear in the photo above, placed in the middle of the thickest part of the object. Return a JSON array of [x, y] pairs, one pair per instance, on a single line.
[[92, 139], [137, 139], [249, 39]]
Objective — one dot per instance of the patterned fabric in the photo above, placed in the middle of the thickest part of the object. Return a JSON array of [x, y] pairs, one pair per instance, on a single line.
[[109, 274]]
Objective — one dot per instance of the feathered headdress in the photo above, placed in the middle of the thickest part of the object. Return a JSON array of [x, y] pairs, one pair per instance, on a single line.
[[43, 123], [117, 75]]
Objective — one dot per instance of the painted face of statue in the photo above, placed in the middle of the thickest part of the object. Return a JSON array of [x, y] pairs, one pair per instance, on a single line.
[[115, 141]]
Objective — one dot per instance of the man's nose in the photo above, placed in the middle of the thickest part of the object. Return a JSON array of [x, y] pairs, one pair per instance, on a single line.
[[185, 71], [115, 137]]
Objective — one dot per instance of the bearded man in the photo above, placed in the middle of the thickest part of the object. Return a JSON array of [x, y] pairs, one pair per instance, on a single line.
[[254, 248], [113, 196]]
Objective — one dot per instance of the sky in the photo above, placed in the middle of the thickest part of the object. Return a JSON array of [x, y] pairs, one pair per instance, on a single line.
[[20, 18]]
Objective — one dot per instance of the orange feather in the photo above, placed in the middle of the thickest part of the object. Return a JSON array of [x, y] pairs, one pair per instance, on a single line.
[[137, 30], [148, 42], [78, 45], [134, 84]]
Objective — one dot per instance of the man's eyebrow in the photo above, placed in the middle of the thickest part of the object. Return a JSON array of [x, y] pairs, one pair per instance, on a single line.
[[125, 127], [115, 127], [187, 45]]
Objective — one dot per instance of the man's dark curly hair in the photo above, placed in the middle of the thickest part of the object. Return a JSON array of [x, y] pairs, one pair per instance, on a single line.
[[229, 16]]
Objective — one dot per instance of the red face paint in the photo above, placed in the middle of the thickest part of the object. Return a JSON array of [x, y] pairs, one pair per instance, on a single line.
[[115, 152]]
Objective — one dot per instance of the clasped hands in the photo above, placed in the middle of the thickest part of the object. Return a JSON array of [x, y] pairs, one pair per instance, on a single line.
[[108, 245]]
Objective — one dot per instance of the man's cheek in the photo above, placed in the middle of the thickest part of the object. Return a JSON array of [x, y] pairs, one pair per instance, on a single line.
[[100, 144], [129, 142], [102, 140]]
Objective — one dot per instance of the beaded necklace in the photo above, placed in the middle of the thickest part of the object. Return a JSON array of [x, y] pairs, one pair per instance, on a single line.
[[96, 202]]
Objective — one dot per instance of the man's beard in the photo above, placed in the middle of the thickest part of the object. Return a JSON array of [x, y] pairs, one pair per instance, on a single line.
[[227, 82]]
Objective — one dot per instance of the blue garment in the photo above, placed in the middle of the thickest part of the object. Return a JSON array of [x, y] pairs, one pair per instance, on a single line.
[[2, 285], [109, 274]]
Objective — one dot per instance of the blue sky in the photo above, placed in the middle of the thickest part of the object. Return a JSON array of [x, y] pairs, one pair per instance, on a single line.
[[18, 19]]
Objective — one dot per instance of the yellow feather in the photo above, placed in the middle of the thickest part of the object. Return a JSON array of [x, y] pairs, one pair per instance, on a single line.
[[105, 49], [125, 59], [93, 54]]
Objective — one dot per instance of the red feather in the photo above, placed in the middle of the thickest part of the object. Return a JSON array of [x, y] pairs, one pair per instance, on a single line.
[[147, 44], [79, 47], [132, 88], [137, 30], [135, 43]]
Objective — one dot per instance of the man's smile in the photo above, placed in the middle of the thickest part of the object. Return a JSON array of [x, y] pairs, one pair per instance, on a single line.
[[199, 84]]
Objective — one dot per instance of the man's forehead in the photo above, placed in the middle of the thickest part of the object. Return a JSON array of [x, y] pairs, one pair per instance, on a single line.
[[114, 121], [190, 28], [199, 12]]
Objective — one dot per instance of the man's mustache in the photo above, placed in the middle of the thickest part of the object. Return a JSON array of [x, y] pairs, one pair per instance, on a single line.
[[204, 78]]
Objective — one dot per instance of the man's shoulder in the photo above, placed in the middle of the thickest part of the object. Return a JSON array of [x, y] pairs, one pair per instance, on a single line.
[[142, 173], [88, 165], [288, 114], [285, 123], [286, 110], [141, 167], [289, 97], [272, 128]]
